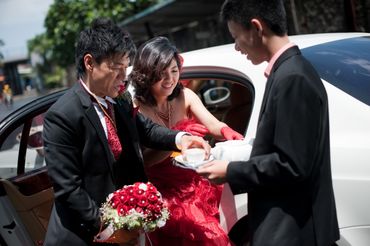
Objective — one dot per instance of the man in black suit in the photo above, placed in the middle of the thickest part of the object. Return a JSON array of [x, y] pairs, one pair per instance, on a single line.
[[90, 151], [288, 176]]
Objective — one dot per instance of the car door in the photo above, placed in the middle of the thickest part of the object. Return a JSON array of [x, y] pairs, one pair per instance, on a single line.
[[226, 93], [229, 95], [26, 194]]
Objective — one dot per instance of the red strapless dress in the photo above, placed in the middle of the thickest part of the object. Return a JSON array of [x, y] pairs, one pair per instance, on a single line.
[[193, 204]]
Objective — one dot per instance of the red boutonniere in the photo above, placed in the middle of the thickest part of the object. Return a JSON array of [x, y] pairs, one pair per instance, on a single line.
[[125, 96], [122, 88]]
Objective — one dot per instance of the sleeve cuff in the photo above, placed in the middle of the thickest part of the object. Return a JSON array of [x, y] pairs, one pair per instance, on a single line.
[[178, 139]]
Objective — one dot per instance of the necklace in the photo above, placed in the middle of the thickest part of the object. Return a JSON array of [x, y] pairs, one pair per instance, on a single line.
[[166, 116]]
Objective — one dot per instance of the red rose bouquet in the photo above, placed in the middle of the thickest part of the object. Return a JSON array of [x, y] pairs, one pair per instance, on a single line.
[[137, 207]]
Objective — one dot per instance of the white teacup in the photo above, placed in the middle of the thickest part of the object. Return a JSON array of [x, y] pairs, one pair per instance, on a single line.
[[195, 155]]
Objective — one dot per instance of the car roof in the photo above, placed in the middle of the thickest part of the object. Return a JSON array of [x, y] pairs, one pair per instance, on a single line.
[[306, 40], [303, 41], [325, 51]]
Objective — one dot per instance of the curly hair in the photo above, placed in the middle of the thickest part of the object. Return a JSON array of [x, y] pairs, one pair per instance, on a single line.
[[151, 59]]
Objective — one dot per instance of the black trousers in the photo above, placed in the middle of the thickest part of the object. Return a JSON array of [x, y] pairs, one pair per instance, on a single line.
[[238, 234]]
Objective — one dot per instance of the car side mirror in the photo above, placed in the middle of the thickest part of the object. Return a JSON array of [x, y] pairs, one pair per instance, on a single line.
[[216, 95]]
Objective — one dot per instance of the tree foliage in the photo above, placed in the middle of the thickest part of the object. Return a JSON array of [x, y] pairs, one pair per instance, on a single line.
[[66, 18], [42, 46]]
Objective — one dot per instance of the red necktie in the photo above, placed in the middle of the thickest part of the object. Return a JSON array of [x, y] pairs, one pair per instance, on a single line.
[[113, 140]]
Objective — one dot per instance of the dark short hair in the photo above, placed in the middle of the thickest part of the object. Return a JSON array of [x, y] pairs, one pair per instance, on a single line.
[[103, 40], [271, 12], [151, 59]]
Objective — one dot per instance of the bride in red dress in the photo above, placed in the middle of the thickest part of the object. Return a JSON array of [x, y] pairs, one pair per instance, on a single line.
[[193, 201]]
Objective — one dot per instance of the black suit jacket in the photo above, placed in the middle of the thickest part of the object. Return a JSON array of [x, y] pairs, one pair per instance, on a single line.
[[82, 167], [288, 177]]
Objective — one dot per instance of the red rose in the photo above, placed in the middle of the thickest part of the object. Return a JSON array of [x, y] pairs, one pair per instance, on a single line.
[[132, 201], [130, 190], [143, 202], [151, 188], [139, 193], [157, 209], [122, 209], [153, 198], [115, 201]]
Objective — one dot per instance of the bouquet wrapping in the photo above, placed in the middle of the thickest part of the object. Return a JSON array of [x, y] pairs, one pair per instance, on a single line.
[[130, 210]]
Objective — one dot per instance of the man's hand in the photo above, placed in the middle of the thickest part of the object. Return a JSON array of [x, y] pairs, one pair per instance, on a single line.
[[214, 171], [188, 141]]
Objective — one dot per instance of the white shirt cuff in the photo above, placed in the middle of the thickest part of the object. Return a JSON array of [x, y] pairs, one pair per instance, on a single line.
[[178, 139]]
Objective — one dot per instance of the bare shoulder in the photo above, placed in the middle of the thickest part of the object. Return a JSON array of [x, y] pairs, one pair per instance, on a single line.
[[189, 94], [191, 98]]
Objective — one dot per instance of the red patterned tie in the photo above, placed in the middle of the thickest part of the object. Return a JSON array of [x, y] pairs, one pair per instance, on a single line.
[[113, 140]]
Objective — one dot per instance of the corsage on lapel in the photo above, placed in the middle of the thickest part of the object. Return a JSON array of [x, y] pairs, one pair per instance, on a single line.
[[124, 99], [123, 95]]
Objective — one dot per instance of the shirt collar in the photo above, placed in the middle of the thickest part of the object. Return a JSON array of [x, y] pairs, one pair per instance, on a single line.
[[101, 100], [276, 56]]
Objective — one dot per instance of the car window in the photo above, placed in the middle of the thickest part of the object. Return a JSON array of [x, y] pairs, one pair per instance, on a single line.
[[35, 145], [9, 154], [228, 100], [214, 93], [344, 64], [10, 149]]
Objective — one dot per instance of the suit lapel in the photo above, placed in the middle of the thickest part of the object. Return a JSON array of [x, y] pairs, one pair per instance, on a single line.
[[93, 117], [95, 121], [270, 81], [266, 95], [122, 110]]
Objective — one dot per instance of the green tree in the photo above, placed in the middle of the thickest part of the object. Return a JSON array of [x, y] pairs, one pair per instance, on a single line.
[[66, 18], [64, 21], [46, 68], [41, 45]]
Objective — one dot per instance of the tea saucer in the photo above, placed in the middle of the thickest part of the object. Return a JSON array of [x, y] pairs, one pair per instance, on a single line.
[[180, 162]]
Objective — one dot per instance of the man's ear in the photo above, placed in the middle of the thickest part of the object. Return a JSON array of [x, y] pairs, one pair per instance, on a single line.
[[257, 25], [89, 62]]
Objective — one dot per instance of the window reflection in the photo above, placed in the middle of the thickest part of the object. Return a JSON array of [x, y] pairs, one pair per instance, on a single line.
[[346, 69], [35, 156], [9, 152]]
